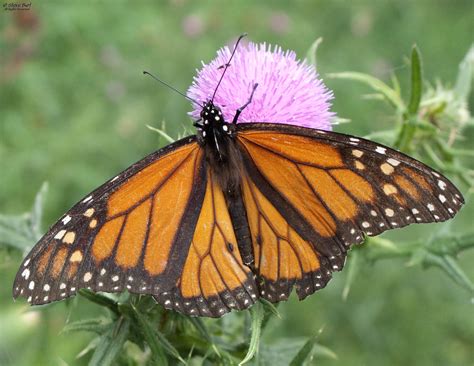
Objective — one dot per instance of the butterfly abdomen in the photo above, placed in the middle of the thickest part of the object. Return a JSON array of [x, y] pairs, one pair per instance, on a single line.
[[241, 227]]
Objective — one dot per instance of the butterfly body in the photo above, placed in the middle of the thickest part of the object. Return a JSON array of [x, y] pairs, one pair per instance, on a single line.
[[217, 138]]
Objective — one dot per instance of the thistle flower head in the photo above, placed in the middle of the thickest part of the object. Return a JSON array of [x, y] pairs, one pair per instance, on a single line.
[[289, 90]]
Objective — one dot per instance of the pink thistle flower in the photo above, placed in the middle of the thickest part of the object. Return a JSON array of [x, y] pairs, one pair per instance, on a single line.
[[289, 90]]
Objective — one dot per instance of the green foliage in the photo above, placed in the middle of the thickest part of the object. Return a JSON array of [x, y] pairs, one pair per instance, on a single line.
[[22, 231], [163, 337], [73, 106], [417, 132]]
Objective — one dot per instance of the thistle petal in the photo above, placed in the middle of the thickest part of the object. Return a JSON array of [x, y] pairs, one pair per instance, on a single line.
[[289, 90]]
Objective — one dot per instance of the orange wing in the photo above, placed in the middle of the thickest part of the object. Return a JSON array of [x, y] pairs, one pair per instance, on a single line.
[[311, 194], [161, 227], [133, 232], [214, 279]]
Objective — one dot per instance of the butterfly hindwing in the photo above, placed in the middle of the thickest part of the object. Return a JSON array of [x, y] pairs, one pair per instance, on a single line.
[[328, 190], [282, 257], [214, 279]]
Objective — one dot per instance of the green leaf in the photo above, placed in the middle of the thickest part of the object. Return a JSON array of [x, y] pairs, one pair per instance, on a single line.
[[353, 265], [15, 232], [91, 346], [202, 330], [100, 300], [22, 231], [378, 85], [37, 211], [98, 326], [449, 265], [304, 352], [324, 351], [270, 307], [257, 313], [396, 83], [285, 350], [111, 344], [162, 132], [416, 82], [465, 75], [156, 340], [311, 54]]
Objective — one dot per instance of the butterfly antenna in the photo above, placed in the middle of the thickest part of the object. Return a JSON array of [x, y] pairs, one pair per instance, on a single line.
[[172, 88], [227, 65]]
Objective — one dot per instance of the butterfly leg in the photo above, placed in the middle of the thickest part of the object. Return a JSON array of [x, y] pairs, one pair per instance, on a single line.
[[197, 124], [237, 113]]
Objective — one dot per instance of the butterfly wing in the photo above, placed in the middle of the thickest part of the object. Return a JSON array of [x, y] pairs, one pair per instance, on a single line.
[[161, 227], [310, 194], [133, 232]]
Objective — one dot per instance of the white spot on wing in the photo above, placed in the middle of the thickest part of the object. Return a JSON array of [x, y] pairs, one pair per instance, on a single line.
[[393, 162], [60, 234], [442, 185], [66, 219], [87, 277]]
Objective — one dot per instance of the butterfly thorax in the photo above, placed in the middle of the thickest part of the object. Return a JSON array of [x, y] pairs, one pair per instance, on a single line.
[[216, 137]]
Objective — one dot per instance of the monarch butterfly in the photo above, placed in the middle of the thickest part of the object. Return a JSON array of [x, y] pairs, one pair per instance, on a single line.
[[234, 213]]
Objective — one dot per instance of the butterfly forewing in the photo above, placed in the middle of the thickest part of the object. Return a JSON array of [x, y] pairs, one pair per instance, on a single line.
[[124, 234]]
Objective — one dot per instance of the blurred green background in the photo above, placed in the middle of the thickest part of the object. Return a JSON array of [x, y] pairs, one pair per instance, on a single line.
[[73, 110]]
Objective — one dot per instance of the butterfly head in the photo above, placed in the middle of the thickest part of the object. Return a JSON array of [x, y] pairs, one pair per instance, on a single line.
[[212, 121]]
